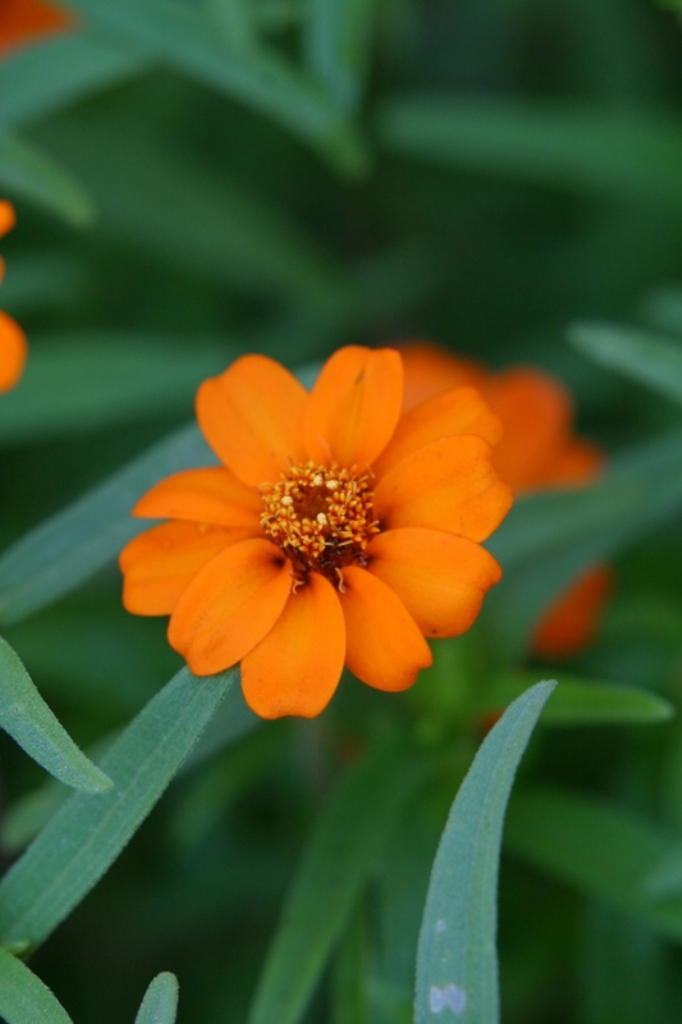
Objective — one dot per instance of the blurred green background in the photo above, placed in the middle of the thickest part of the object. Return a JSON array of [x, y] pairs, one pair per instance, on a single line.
[[291, 177]]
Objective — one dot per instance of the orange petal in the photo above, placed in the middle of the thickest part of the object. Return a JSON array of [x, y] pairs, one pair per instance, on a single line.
[[570, 623], [252, 417], [537, 413], [24, 21], [441, 579], [7, 217], [230, 605], [460, 411], [430, 369], [449, 485], [161, 563], [296, 668], [354, 406], [384, 647], [579, 463], [13, 351], [211, 495]]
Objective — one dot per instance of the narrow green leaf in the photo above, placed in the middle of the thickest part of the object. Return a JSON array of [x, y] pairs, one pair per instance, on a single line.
[[579, 701], [549, 538], [457, 958], [160, 1004], [641, 355], [598, 150], [28, 720], [87, 834], [346, 841], [605, 851], [30, 174], [39, 79], [85, 380], [176, 33], [56, 556], [24, 998], [23, 818], [338, 36], [350, 997]]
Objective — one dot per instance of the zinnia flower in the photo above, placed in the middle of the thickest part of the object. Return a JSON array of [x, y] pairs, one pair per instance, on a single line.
[[12, 340], [25, 21], [539, 450], [336, 532]]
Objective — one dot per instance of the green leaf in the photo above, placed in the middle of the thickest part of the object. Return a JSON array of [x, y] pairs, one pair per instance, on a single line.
[[85, 380], [28, 720], [30, 174], [61, 553], [160, 1004], [349, 997], [457, 959], [24, 998], [88, 833], [549, 538], [598, 150], [347, 839], [605, 851], [39, 79], [175, 33], [641, 355], [579, 701], [23, 818], [338, 37]]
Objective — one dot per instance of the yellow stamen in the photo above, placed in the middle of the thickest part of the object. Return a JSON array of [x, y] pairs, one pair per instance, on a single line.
[[321, 517]]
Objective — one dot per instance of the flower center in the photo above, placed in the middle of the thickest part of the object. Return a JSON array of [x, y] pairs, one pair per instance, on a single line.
[[322, 518]]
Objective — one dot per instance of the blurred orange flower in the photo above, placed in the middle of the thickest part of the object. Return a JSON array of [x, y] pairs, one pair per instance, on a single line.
[[538, 451], [338, 531], [12, 340], [25, 21]]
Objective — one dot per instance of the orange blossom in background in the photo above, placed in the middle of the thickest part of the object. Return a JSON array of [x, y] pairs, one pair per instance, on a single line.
[[538, 451], [27, 21], [338, 531], [12, 339]]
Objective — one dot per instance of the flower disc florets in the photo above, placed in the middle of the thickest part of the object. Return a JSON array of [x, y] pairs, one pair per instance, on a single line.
[[322, 518]]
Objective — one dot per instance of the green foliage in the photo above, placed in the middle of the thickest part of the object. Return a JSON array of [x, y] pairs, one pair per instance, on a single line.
[[24, 999], [604, 850], [27, 173], [74, 382], [651, 360], [457, 961], [27, 718], [160, 1003], [178, 35], [625, 157], [579, 701], [349, 837], [87, 834]]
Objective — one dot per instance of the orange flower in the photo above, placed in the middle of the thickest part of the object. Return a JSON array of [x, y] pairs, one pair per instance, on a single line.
[[25, 21], [336, 532], [12, 340], [538, 451]]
